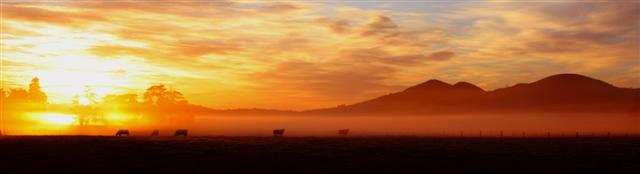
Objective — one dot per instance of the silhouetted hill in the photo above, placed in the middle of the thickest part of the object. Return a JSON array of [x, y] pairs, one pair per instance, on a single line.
[[430, 85], [557, 93], [467, 86]]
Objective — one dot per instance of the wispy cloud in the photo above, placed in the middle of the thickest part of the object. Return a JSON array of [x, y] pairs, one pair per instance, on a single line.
[[311, 54]]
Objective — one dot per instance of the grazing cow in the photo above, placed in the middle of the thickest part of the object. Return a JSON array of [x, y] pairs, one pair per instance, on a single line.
[[122, 132], [278, 132], [155, 133], [181, 132], [343, 131]]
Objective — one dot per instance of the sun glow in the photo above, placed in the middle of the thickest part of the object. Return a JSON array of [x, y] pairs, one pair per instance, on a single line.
[[118, 119], [71, 119], [56, 118], [83, 101], [66, 64]]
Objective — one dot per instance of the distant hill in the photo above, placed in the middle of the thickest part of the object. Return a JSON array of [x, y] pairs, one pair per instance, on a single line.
[[557, 93]]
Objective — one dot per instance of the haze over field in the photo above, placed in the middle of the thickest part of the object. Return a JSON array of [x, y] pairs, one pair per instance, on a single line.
[[394, 68]]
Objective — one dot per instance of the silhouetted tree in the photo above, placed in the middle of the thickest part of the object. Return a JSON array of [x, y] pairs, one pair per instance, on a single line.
[[35, 93], [167, 105], [91, 96], [159, 95], [19, 100], [80, 110], [86, 107], [153, 94], [122, 99], [18, 95]]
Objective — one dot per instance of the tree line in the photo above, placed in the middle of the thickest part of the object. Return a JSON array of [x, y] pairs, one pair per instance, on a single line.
[[158, 105], [32, 99]]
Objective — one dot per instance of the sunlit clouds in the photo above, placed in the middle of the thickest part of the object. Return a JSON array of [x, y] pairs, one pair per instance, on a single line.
[[302, 55]]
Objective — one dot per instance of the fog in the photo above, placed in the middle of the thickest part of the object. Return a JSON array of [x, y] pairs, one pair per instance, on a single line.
[[449, 125], [435, 125]]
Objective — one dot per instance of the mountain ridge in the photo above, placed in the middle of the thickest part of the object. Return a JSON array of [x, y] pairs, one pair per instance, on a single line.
[[556, 93]]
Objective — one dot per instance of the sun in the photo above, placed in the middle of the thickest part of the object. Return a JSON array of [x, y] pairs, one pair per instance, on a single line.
[[83, 101]]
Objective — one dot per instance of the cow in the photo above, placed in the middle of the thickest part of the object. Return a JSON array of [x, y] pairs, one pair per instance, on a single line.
[[122, 132], [278, 132], [155, 133], [181, 132], [343, 132]]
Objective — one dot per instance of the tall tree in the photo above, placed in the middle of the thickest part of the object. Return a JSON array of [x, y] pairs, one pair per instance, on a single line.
[[154, 94], [168, 105], [159, 95], [86, 107], [35, 92]]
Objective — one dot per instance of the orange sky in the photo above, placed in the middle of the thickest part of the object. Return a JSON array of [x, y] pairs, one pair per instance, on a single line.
[[301, 55]]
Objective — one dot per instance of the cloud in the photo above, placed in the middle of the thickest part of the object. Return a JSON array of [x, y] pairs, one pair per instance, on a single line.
[[338, 26], [325, 82], [441, 55], [117, 50], [33, 14], [378, 25], [197, 50], [384, 57], [596, 39], [166, 7], [381, 22], [280, 8]]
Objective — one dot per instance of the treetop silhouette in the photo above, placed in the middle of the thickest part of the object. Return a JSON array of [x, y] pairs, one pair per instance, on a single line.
[[35, 93]]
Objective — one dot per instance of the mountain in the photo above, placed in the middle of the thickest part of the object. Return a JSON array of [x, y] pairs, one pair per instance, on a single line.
[[557, 93]]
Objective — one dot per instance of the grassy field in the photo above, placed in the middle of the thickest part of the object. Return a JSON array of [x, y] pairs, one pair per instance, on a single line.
[[96, 154]]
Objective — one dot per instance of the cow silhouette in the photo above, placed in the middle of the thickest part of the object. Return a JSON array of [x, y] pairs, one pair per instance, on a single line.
[[122, 132], [155, 133], [181, 132], [278, 132], [343, 131]]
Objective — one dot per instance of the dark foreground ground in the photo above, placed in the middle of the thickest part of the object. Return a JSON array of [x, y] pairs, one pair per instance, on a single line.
[[92, 154]]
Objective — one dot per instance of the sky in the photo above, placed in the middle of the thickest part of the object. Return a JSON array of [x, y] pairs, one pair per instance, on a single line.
[[310, 54]]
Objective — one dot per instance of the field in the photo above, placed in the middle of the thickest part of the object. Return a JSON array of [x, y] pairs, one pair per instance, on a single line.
[[103, 154]]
